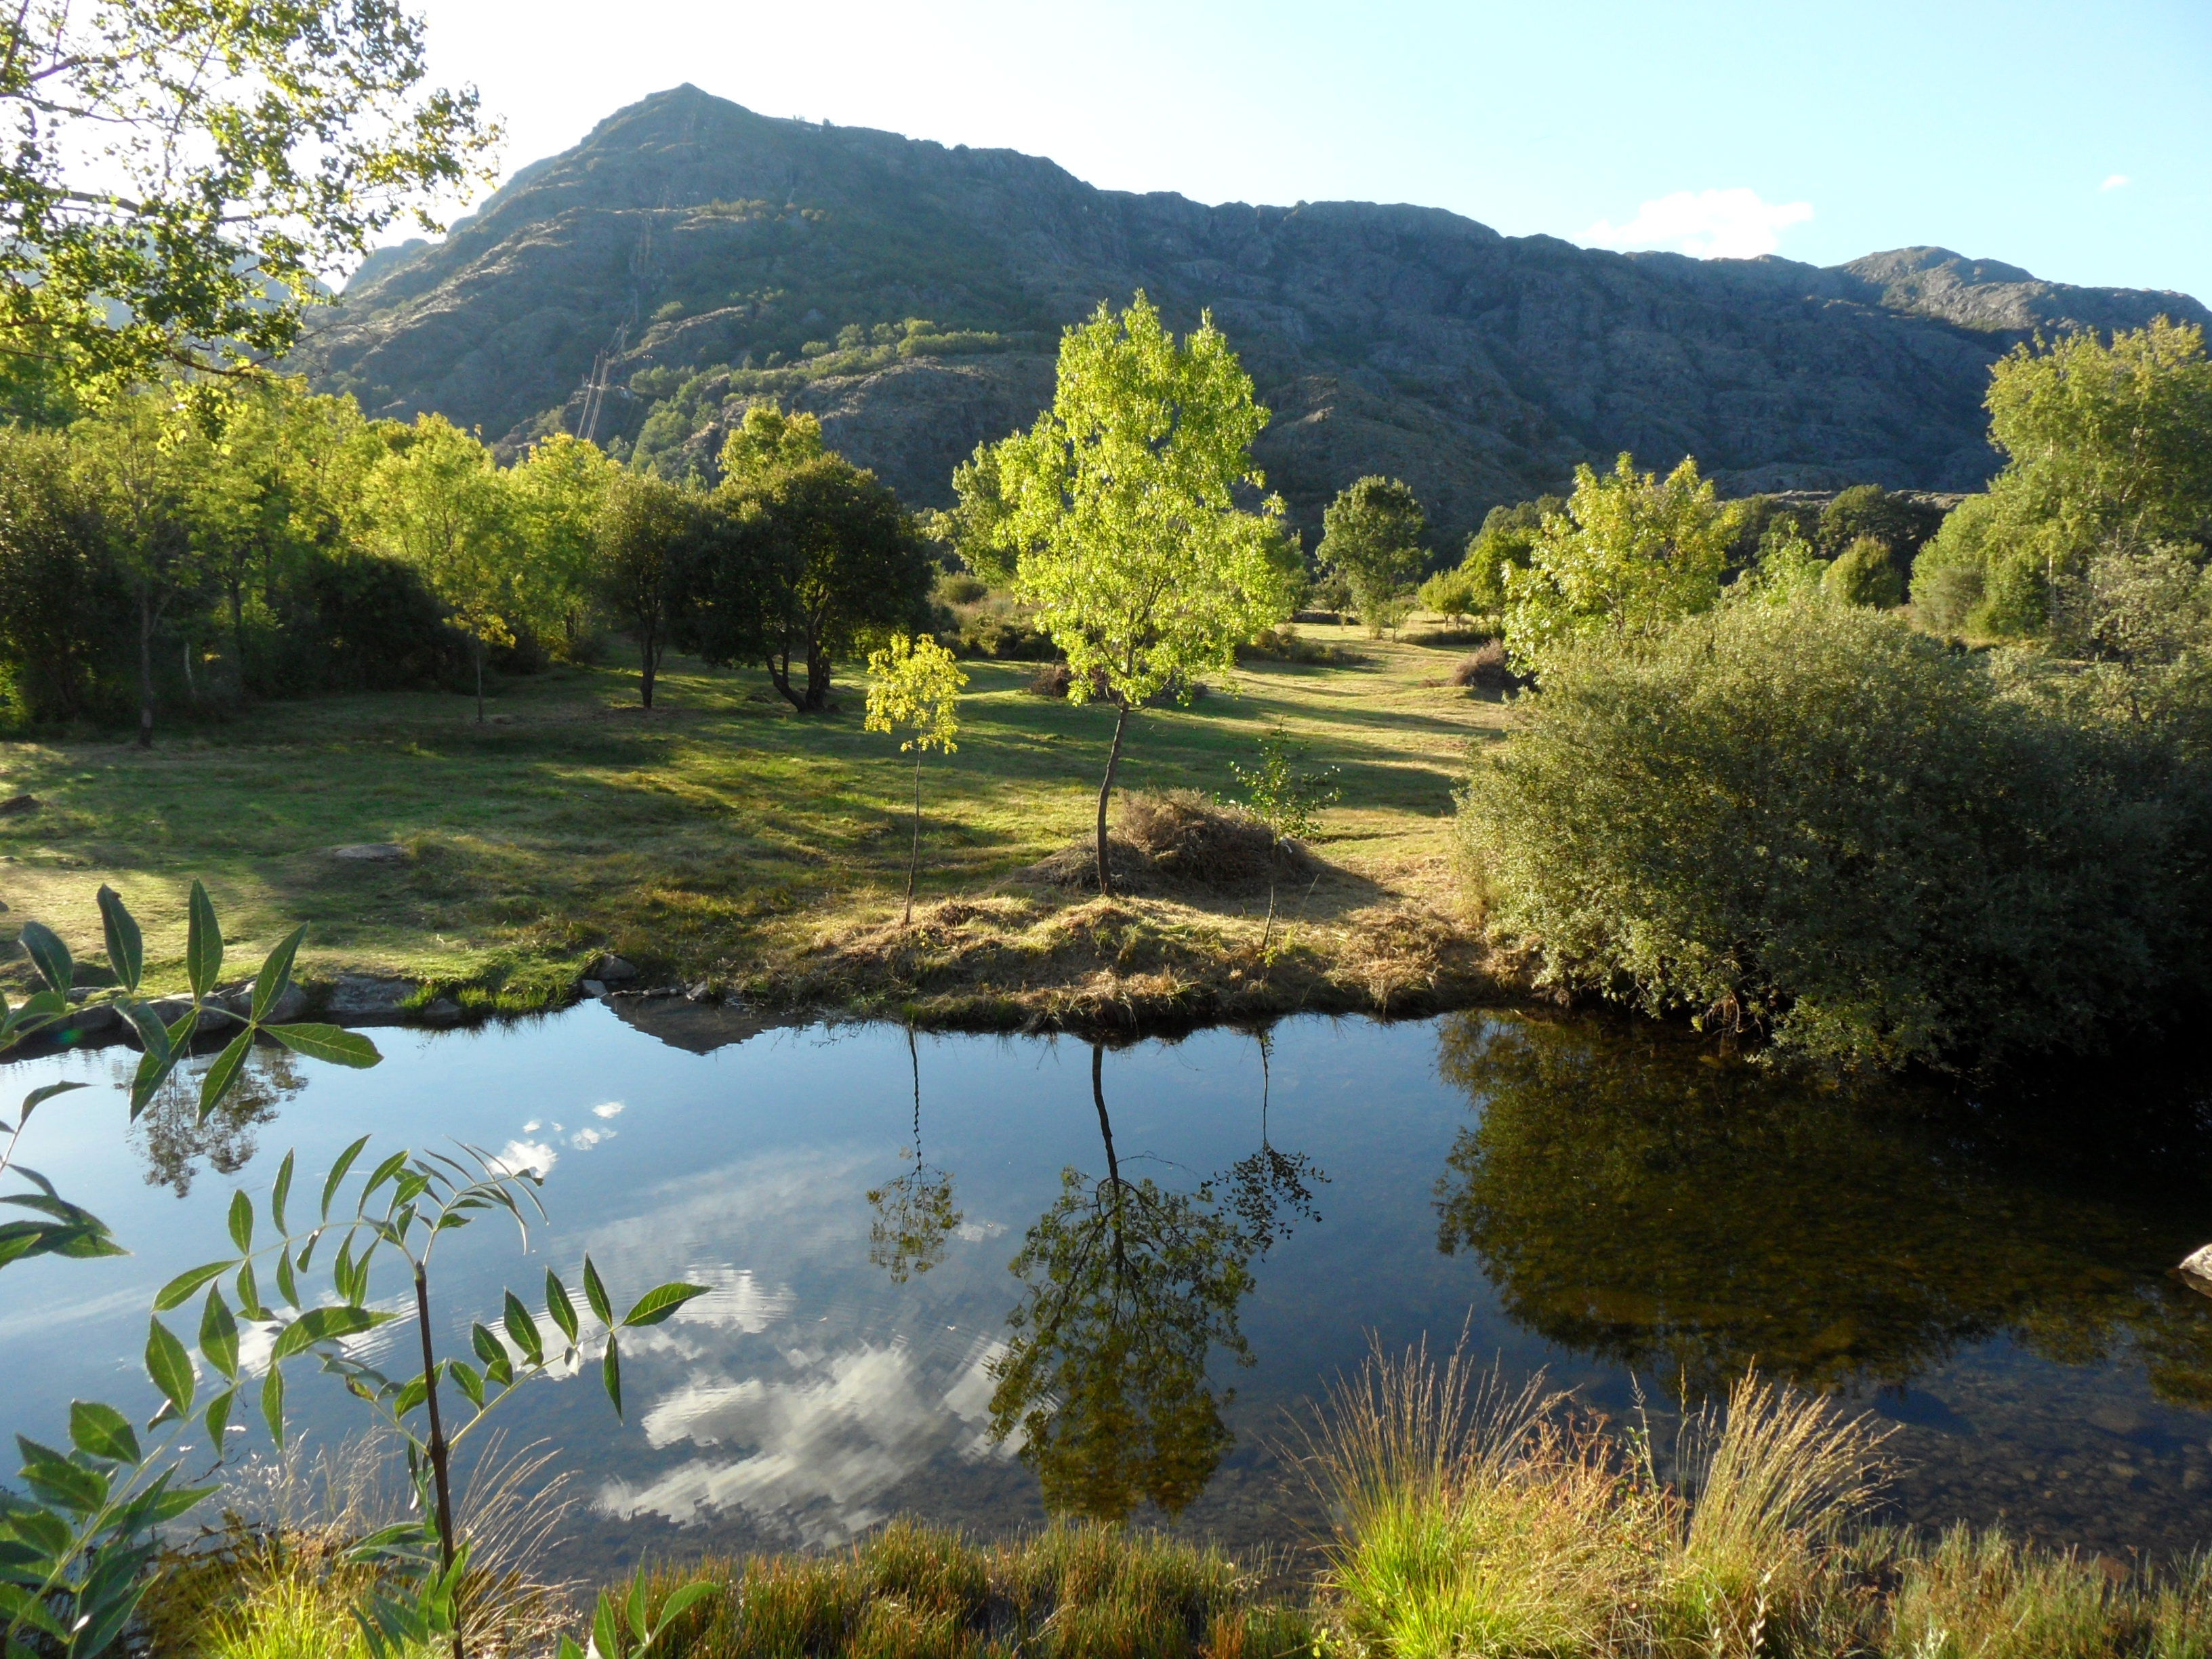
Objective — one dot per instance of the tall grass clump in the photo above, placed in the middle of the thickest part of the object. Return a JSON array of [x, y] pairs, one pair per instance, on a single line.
[[1812, 821], [1476, 1519]]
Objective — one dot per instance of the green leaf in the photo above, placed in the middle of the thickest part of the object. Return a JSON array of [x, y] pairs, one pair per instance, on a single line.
[[662, 1300], [468, 1379], [53, 1479], [324, 1325], [681, 1601], [168, 1364], [218, 1418], [332, 1042], [272, 1404], [413, 1393], [606, 1627], [152, 1071], [48, 955], [224, 1072], [202, 942], [558, 1304], [596, 1294], [241, 1221], [486, 1345], [101, 1430], [636, 1606], [127, 946], [249, 1293], [382, 1173], [279, 1192], [611, 1374], [39, 1097], [337, 1173], [179, 1290], [287, 1285], [153, 1036], [524, 1329], [276, 974], [219, 1333]]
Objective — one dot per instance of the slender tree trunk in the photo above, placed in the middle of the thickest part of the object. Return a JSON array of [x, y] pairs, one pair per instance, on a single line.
[[914, 859], [1098, 1099], [238, 630], [779, 670], [145, 668], [440, 1472], [192, 685], [649, 648], [477, 653], [1268, 932], [1106, 793], [818, 676]]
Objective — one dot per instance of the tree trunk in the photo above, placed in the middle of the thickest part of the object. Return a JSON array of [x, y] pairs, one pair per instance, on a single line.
[[238, 630], [779, 670], [648, 646], [440, 1472], [914, 859], [817, 676], [1105, 793], [477, 653], [145, 668], [1098, 1099]]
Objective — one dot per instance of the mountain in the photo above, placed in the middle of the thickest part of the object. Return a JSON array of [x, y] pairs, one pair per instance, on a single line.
[[912, 294]]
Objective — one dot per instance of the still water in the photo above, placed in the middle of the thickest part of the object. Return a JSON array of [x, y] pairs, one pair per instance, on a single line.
[[1612, 1204]]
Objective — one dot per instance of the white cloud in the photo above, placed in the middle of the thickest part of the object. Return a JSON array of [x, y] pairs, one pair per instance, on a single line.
[[2117, 181], [585, 1138], [1706, 224], [610, 1108], [520, 1155]]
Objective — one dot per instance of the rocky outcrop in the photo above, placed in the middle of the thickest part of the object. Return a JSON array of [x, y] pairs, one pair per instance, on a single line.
[[688, 234]]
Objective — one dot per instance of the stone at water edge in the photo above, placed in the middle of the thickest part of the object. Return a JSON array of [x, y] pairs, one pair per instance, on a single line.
[[611, 969], [2197, 1270], [592, 987]]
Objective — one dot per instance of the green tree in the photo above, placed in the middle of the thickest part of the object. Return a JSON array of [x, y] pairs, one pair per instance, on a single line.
[[560, 487], [2105, 448], [1372, 532], [1115, 516], [1450, 594], [181, 172], [1506, 541], [767, 440], [646, 532], [914, 687], [439, 502], [1630, 555], [138, 457], [819, 558], [62, 600]]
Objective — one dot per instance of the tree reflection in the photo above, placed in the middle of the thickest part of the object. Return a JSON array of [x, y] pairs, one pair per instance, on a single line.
[[171, 1135], [1270, 1183], [915, 1215], [1129, 1287], [1632, 1197]]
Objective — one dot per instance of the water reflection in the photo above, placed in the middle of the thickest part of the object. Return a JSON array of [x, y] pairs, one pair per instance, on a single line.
[[172, 1137], [915, 1216], [1636, 1200], [1130, 1286]]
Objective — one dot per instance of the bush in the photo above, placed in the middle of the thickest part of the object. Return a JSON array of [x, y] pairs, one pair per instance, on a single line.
[[1816, 821], [65, 634], [960, 587], [1864, 572], [1486, 669]]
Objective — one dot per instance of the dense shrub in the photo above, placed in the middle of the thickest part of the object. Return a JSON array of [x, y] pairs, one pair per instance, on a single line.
[[1865, 572], [64, 640], [1486, 669], [1815, 820]]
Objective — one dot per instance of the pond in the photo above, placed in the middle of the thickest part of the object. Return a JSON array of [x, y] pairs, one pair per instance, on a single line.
[[1613, 1203]]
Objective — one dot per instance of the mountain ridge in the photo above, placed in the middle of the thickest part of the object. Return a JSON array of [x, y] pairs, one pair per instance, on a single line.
[[720, 254]]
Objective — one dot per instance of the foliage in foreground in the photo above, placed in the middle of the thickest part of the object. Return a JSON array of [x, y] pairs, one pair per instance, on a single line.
[[1815, 820]]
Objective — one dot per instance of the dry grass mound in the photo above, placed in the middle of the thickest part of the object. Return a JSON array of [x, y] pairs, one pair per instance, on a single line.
[[1486, 669], [1181, 839]]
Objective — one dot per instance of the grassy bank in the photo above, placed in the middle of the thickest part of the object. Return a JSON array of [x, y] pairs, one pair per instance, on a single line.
[[1470, 1520], [720, 837]]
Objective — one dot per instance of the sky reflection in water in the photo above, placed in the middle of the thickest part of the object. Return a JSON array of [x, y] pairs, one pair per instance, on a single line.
[[1608, 1201]]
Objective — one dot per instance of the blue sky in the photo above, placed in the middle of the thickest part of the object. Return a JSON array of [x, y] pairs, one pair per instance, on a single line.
[[2075, 139]]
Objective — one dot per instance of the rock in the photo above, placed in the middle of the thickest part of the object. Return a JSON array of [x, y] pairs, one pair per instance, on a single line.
[[290, 1004], [439, 1010], [366, 996], [592, 987], [2196, 1268], [99, 1019], [1385, 338], [699, 992], [15, 805], [372, 852], [613, 970]]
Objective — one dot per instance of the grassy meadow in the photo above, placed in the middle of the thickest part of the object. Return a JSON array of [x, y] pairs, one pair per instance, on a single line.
[[721, 836]]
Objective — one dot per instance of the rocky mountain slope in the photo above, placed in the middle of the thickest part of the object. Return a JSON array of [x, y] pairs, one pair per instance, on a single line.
[[912, 295]]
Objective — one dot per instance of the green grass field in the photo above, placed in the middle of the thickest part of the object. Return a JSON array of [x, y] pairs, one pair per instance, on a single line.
[[719, 835]]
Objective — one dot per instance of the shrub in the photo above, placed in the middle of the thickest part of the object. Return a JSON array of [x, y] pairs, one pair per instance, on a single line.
[[960, 587], [1486, 669], [1865, 572], [1816, 821]]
